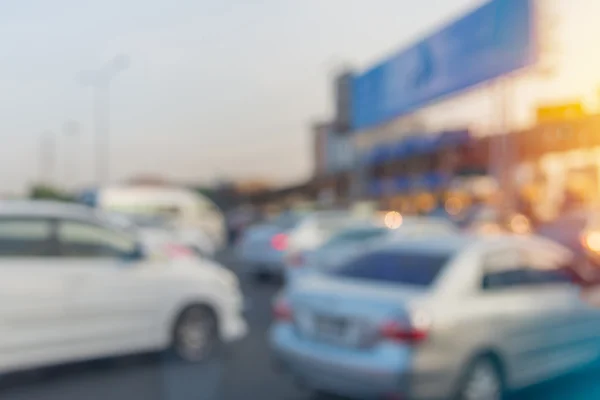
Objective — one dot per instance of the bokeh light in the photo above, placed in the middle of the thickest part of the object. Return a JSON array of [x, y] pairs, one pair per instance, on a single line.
[[393, 220], [453, 206], [592, 241], [520, 225]]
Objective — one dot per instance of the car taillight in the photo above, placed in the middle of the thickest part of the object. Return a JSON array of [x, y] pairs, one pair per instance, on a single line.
[[177, 250], [406, 330], [279, 242], [282, 310]]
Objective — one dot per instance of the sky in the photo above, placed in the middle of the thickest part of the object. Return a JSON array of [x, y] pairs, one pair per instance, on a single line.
[[219, 89]]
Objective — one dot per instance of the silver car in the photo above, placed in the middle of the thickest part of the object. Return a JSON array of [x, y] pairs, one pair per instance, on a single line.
[[461, 317], [263, 247]]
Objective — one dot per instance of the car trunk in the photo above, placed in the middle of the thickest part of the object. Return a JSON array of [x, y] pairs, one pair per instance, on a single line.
[[346, 312]]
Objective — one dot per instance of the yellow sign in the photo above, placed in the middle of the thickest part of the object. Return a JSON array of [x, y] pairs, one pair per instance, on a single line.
[[561, 112]]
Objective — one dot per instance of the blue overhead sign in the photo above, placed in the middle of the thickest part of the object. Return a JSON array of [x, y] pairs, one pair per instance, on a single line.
[[492, 41]]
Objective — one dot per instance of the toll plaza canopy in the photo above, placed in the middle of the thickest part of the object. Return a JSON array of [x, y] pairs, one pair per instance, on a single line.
[[415, 145]]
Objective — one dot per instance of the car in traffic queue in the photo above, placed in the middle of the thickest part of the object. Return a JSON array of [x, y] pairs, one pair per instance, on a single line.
[[239, 219], [315, 230], [579, 230], [161, 238], [262, 247], [358, 238], [75, 287], [464, 317], [193, 215]]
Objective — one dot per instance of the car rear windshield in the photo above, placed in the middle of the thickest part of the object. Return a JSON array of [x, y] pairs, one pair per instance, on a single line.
[[406, 268]]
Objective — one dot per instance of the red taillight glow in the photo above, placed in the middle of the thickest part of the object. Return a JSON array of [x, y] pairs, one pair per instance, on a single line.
[[177, 250], [279, 242], [398, 332], [282, 311]]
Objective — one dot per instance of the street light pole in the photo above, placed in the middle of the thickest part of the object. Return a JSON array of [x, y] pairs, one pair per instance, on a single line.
[[100, 81], [102, 131], [47, 158], [71, 131]]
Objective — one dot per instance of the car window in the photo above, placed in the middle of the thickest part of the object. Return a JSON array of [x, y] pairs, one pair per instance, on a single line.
[[26, 238], [545, 266], [80, 239], [409, 268], [513, 268], [523, 277]]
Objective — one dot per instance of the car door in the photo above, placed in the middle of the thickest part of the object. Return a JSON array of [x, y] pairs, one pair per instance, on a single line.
[[576, 341], [112, 300], [32, 294], [572, 337], [528, 310]]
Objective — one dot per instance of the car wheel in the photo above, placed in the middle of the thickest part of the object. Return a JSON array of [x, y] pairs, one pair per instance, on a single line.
[[196, 334], [482, 381]]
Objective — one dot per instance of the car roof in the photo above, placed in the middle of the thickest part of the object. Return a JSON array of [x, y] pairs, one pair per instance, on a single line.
[[411, 220], [329, 214], [430, 243], [45, 209], [362, 226], [454, 243]]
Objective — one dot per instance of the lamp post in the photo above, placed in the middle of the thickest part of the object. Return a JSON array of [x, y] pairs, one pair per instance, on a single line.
[[100, 81], [71, 130], [47, 158]]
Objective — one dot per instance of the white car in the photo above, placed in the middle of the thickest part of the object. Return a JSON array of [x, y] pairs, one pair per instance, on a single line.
[[316, 229], [186, 209], [75, 287], [156, 233]]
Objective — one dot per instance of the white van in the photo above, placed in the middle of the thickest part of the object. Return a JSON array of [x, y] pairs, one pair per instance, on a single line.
[[190, 212]]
